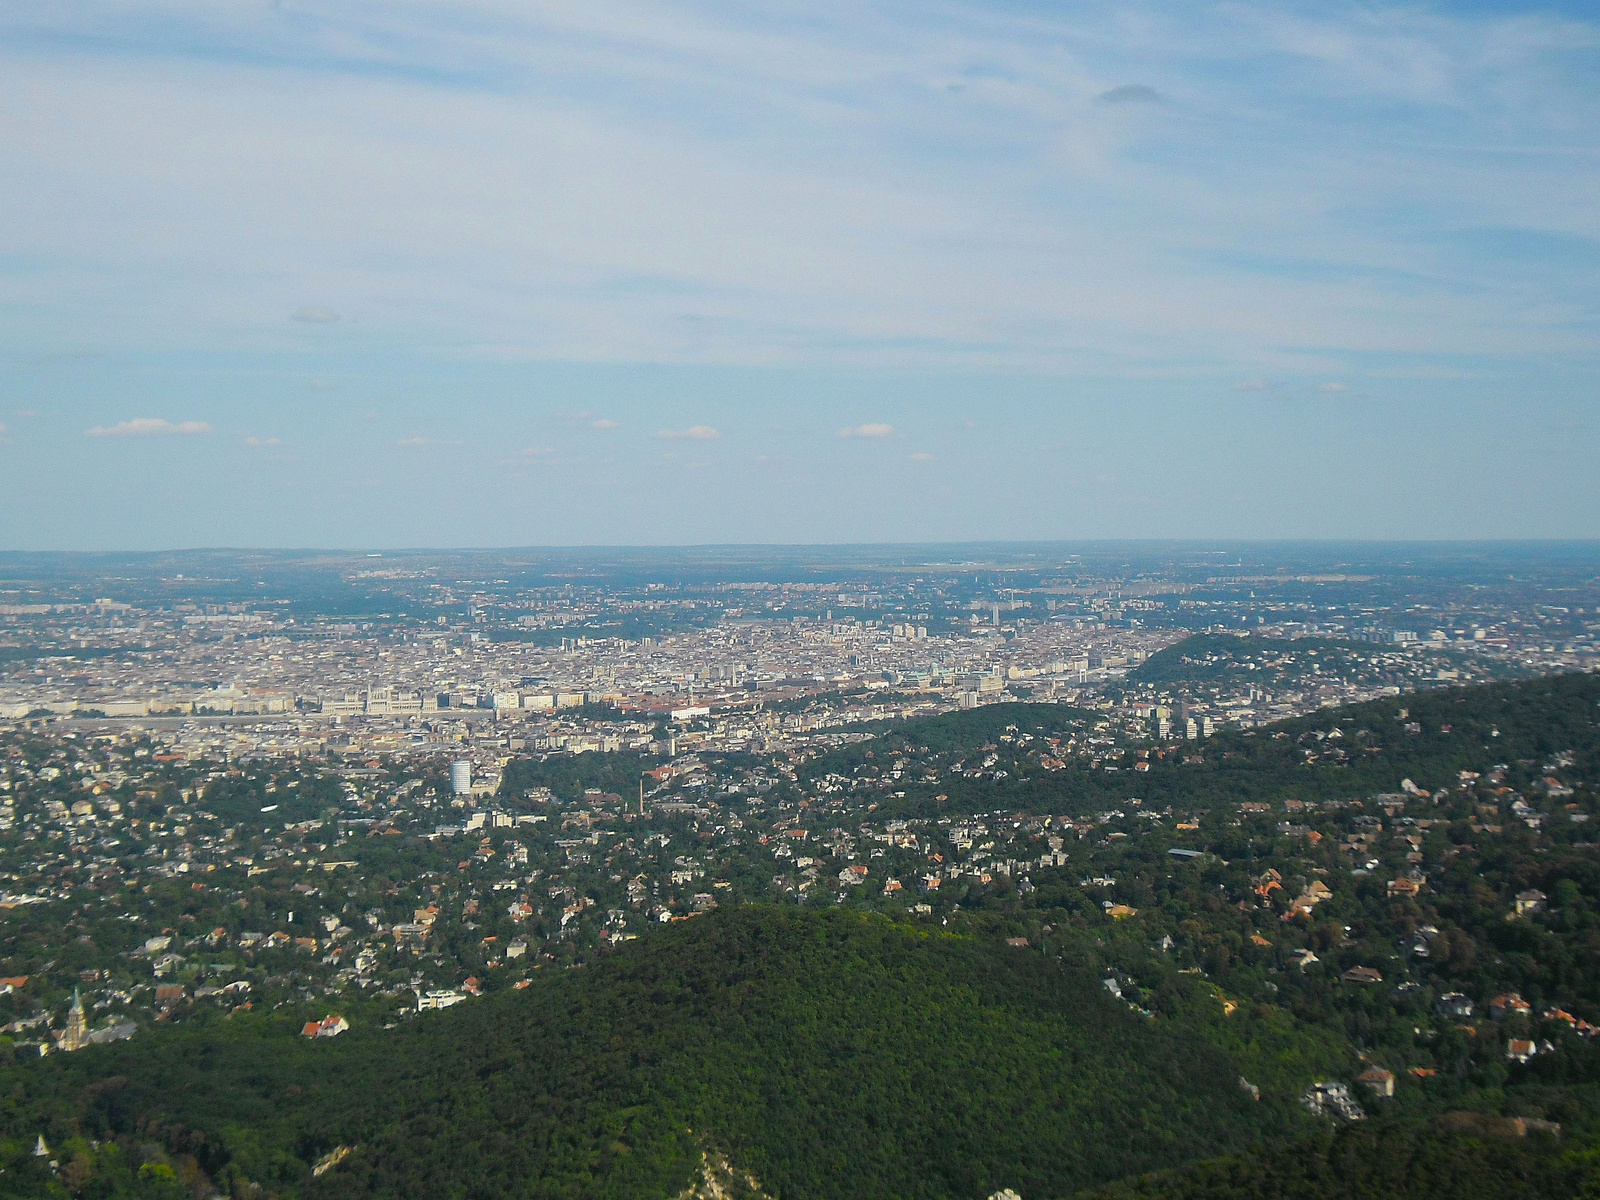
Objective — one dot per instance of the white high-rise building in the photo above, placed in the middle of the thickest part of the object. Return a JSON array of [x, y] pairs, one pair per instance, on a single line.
[[461, 777]]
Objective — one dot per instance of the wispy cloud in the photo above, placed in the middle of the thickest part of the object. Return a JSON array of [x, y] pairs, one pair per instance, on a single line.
[[607, 423], [986, 206], [877, 430], [695, 433], [253, 440], [1332, 388], [1131, 93], [417, 440], [922, 456], [148, 427]]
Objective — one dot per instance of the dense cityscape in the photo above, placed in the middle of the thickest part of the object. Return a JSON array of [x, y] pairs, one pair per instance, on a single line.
[[235, 804]]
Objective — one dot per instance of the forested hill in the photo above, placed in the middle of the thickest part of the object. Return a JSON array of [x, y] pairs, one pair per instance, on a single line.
[[1336, 753], [953, 732], [1214, 664], [1208, 657], [1463, 1156], [831, 1055], [1428, 737]]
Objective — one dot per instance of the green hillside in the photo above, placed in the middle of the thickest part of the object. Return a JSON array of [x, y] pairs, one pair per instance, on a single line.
[[842, 1053], [1208, 657], [1427, 737], [1461, 1157], [951, 732], [830, 1055]]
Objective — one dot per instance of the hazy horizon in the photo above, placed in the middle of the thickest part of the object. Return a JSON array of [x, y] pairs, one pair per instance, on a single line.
[[1152, 543]]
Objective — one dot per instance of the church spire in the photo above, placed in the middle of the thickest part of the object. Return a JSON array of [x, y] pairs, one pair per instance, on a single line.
[[77, 1025]]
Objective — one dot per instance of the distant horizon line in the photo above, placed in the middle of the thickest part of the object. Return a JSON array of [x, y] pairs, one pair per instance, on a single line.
[[659, 547]]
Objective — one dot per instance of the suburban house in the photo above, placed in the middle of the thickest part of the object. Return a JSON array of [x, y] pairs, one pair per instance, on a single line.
[[1519, 1050], [1509, 1005], [1378, 1081]]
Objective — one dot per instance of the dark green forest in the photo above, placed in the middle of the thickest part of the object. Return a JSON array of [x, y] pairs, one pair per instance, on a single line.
[[569, 775], [830, 1054], [1462, 1156]]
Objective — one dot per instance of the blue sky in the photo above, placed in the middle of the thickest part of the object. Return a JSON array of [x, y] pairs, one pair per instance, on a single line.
[[490, 272]]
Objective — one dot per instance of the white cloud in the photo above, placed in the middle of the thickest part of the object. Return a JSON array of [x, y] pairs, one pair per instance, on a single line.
[[922, 456], [1253, 385], [695, 433], [417, 440], [607, 423], [252, 440], [312, 314], [868, 431], [1332, 387], [147, 427]]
